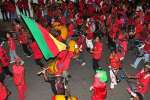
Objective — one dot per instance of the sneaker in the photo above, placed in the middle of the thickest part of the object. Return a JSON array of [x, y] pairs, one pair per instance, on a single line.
[[29, 56], [22, 62], [132, 65], [12, 62], [83, 64]]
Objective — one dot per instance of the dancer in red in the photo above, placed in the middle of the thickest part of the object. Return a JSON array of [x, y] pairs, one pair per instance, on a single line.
[[115, 64], [97, 52], [3, 92], [19, 79], [98, 89]]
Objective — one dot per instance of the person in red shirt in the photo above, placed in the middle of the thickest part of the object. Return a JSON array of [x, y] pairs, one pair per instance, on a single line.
[[97, 52], [3, 92], [19, 79], [20, 5], [37, 54], [123, 45], [99, 90], [7, 8], [4, 59], [26, 7], [23, 39], [143, 79], [115, 63], [71, 29], [12, 10], [41, 3]]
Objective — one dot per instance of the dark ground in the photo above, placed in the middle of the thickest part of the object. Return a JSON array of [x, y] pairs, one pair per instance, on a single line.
[[80, 81]]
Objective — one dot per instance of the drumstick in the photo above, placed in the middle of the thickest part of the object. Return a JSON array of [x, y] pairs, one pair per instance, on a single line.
[[42, 71]]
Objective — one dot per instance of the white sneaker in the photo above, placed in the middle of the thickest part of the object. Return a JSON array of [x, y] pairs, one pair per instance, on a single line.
[[12, 62], [83, 64], [28, 56], [132, 65], [22, 62]]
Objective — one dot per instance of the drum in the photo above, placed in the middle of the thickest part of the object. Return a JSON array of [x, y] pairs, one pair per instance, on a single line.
[[63, 97]]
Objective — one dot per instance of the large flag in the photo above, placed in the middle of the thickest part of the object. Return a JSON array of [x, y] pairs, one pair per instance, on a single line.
[[48, 44]]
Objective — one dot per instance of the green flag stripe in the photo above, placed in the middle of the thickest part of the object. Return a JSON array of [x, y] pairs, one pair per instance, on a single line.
[[38, 37]]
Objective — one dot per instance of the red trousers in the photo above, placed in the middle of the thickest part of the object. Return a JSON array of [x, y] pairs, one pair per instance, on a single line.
[[21, 91]]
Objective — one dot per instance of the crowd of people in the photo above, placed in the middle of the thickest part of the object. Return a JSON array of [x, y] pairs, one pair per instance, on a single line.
[[81, 25]]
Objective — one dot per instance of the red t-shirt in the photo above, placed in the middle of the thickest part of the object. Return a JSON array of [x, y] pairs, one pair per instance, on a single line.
[[23, 39], [97, 50], [20, 4], [90, 35], [11, 44], [115, 61], [71, 29]]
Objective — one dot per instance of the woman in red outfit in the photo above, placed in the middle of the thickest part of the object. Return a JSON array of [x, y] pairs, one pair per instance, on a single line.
[[97, 52], [19, 79], [99, 90], [37, 54]]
